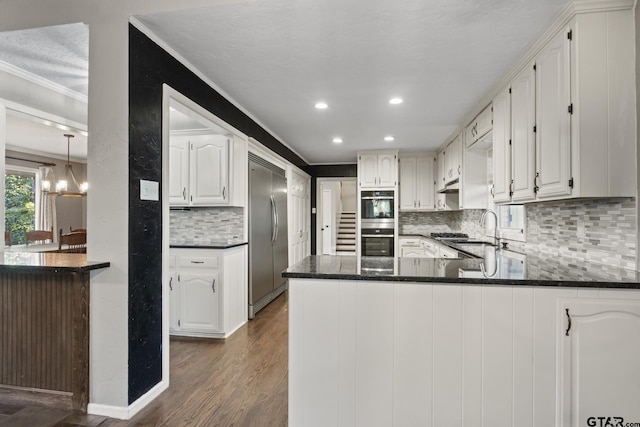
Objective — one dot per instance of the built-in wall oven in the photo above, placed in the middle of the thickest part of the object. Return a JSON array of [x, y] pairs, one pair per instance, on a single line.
[[377, 233]]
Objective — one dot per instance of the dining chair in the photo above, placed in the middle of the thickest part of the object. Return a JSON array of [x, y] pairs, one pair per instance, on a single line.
[[39, 236], [77, 230], [75, 242]]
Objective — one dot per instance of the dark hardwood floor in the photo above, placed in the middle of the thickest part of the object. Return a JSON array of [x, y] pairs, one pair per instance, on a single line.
[[240, 381]]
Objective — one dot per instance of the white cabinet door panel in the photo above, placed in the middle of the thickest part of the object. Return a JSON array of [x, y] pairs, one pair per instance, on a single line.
[[387, 167], [408, 184], [523, 114], [523, 372], [199, 301], [174, 301], [425, 190], [209, 171], [178, 171], [368, 170], [553, 133], [501, 146]]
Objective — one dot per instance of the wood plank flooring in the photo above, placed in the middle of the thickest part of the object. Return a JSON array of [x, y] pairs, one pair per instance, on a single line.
[[240, 381]]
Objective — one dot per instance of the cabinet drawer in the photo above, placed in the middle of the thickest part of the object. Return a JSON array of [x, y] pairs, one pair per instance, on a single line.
[[410, 242], [429, 245], [448, 253], [199, 262]]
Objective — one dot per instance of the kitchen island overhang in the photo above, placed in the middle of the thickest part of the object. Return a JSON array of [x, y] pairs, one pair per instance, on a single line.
[[44, 328], [392, 346]]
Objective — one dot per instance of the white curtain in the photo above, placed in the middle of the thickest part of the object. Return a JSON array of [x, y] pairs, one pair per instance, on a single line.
[[46, 215]]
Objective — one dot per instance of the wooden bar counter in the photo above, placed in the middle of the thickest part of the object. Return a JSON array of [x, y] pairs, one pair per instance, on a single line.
[[44, 328]]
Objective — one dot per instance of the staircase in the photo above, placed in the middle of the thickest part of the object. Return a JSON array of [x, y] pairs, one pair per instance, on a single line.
[[346, 243]]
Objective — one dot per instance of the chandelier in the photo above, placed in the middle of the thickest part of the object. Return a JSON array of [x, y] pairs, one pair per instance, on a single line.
[[67, 186]]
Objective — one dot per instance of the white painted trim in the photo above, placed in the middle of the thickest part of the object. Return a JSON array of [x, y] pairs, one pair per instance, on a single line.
[[178, 57], [260, 150], [44, 154], [127, 412], [573, 8], [334, 163], [40, 81], [20, 110]]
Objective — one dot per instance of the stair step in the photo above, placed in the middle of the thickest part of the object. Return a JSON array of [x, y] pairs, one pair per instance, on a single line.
[[346, 253], [345, 248], [351, 242]]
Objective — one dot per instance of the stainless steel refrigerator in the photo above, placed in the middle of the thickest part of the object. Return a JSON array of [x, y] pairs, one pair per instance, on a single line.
[[268, 242]]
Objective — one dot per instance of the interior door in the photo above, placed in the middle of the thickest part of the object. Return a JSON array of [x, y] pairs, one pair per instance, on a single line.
[[326, 229], [261, 229]]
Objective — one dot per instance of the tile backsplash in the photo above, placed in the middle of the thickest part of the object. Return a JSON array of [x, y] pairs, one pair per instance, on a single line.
[[205, 225], [600, 231]]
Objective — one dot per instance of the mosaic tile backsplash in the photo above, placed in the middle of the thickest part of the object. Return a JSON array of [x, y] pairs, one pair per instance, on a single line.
[[599, 231], [202, 226]]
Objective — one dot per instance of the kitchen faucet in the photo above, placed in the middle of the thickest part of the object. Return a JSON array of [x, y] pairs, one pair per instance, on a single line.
[[483, 220]]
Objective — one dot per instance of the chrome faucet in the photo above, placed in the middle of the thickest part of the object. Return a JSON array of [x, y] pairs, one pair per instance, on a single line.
[[483, 220]]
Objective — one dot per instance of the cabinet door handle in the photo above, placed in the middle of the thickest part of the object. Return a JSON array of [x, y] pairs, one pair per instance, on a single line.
[[170, 283], [418, 203], [213, 286], [224, 192], [184, 193], [493, 194], [511, 188], [197, 262], [566, 333], [535, 182], [459, 167]]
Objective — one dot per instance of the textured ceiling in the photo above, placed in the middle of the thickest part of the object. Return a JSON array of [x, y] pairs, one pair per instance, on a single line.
[[276, 58], [59, 54]]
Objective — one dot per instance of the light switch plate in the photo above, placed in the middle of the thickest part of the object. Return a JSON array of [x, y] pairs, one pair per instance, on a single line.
[[149, 190]]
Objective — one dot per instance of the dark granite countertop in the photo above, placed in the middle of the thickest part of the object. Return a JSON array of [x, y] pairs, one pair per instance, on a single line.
[[500, 268], [213, 244], [49, 262]]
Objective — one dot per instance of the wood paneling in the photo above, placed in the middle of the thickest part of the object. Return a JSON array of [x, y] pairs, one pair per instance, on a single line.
[[44, 326]]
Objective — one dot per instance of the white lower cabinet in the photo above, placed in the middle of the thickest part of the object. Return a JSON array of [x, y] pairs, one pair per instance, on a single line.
[[208, 291], [421, 354], [599, 364]]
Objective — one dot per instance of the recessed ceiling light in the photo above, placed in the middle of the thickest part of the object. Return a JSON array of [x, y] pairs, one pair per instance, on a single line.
[[321, 105], [389, 138], [337, 140], [395, 101]]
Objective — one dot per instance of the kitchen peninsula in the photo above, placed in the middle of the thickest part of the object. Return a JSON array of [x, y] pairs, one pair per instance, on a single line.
[[44, 328], [527, 341]]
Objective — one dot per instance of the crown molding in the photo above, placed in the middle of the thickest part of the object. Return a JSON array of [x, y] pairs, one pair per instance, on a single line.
[[61, 157], [40, 81], [573, 8], [178, 57]]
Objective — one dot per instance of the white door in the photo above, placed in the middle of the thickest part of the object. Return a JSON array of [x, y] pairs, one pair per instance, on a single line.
[[368, 170], [553, 134], [199, 301], [174, 301], [178, 171], [501, 146], [425, 189], [600, 364], [209, 177], [523, 143], [387, 170], [408, 184], [327, 223]]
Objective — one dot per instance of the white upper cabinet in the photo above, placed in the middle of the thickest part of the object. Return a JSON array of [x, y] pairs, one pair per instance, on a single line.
[[479, 127], [553, 131], [453, 159], [199, 170], [178, 171], [209, 176], [523, 115], [417, 184], [573, 114], [502, 146], [378, 169], [441, 166]]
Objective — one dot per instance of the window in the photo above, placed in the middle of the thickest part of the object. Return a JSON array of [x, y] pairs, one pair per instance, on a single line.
[[20, 202], [512, 222]]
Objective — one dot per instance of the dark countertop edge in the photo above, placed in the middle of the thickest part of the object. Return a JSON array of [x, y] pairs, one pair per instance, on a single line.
[[468, 281], [55, 268], [225, 246]]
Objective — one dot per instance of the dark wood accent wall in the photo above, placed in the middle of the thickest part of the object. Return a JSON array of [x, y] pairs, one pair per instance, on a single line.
[[149, 68], [326, 171], [44, 333]]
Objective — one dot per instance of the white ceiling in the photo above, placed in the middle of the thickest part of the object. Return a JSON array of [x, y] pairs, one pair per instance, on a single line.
[[277, 58]]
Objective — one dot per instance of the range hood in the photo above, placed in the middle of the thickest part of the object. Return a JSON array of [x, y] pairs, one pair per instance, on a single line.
[[452, 187]]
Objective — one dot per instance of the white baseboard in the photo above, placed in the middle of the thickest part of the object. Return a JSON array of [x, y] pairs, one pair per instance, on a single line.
[[127, 412]]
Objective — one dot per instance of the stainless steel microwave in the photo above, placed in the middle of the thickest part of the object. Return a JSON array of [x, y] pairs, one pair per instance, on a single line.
[[377, 208]]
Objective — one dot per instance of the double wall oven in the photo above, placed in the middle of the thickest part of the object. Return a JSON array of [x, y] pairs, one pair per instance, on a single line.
[[377, 219]]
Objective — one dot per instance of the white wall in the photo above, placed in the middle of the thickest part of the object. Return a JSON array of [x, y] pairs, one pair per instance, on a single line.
[[349, 196]]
